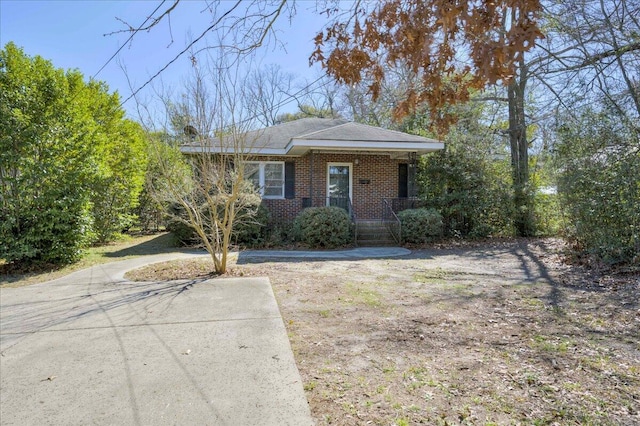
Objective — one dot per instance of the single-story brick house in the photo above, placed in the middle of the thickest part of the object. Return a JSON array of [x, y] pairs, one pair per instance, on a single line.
[[318, 162]]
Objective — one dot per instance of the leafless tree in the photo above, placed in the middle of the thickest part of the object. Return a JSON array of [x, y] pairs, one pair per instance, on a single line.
[[267, 89], [210, 189], [239, 27], [594, 56]]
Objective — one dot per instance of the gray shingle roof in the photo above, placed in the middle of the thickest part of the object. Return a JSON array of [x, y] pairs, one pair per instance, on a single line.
[[295, 137], [280, 135], [350, 131]]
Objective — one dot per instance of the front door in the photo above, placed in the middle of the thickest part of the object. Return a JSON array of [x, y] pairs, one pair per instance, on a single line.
[[339, 185]]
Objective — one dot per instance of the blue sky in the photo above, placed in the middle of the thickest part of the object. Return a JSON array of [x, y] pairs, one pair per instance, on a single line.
[[71, 34]]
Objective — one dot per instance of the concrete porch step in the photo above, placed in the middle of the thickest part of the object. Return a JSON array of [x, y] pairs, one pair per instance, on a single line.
[[374, 233], [378, 243]]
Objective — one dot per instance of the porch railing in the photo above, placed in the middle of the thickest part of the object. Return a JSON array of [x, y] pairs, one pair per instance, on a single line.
[[400, 204], [391, 221], [352, 214]]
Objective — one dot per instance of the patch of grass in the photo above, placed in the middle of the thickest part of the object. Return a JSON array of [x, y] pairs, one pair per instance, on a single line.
[[388, 369], [308, 387], [595, 322], [572, 387], [359, 293], [464, 413], [545, 344], [459, 288], [531, 379], [349, 408], [416, 377], [126, 248], [431, 276], [534, 302], [498, 403]]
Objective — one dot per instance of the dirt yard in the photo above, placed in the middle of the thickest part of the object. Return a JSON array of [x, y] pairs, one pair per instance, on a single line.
[[497, 334]]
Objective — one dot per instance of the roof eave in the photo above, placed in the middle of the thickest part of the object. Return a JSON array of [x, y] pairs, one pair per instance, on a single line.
[[189, 149], [301, 146], [298, 147]]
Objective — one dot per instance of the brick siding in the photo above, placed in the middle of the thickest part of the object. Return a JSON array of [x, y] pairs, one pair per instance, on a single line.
[[380, 171]]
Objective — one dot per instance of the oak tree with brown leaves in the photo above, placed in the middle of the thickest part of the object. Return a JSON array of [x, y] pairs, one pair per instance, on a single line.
[[454, 46]]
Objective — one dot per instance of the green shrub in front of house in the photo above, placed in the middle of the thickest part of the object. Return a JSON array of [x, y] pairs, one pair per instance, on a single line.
[[183, 234], [252, 231], [323, 227], [420, 225]]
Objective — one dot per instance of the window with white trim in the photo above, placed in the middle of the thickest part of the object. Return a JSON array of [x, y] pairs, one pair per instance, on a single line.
[[267, 177]]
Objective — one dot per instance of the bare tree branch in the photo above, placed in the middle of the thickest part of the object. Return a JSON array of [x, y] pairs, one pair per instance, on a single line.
[[154, 22]]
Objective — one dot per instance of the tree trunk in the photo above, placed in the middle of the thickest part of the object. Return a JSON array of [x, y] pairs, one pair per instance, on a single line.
[[523, 214]]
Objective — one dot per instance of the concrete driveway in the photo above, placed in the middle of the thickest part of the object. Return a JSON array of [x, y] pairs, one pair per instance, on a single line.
[[93, 348]]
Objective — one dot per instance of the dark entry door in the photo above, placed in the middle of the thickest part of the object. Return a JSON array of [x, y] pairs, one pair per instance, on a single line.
[[403, 180]]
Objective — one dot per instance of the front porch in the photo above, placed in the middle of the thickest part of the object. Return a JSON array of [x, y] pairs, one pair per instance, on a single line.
[[358, 183], [395, 204], [384, 229]]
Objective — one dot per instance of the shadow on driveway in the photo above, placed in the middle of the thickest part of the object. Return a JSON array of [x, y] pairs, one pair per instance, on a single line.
[[163, 243], [93, 348]]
